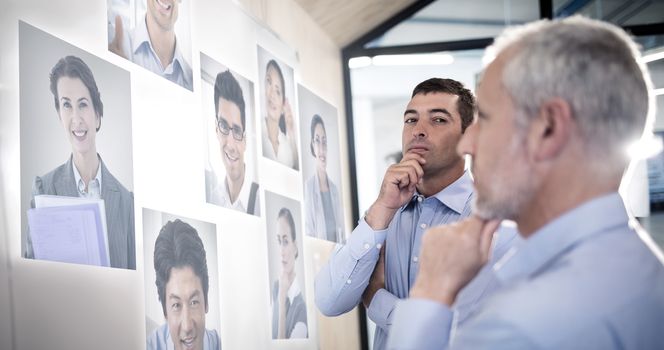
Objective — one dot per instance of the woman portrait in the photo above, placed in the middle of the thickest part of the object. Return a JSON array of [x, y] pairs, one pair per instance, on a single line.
[[80, 111], [279, 132], [321, 196], [289, 311], [321, 168]]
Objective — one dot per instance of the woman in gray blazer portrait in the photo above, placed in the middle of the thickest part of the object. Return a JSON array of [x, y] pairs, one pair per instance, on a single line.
[[321, 196], [80, 110]]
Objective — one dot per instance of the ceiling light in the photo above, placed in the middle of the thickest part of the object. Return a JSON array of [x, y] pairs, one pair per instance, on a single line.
[[359, 62], [413, 60], [652, 56]]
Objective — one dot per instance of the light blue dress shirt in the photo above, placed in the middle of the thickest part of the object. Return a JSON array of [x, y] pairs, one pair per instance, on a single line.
[[590, 279], [340, 283], [160, 339], [140, 51]]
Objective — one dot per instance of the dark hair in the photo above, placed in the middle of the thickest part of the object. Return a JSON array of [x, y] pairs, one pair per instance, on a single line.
[[285, 213], [466, 103], [74, 67], [178, 245], [227, 87], [315, 120], [272, 63]]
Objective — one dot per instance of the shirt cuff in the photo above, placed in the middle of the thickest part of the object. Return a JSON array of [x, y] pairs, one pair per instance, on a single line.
[[299, 331], [380, 308], [363, 238], [420, 324]]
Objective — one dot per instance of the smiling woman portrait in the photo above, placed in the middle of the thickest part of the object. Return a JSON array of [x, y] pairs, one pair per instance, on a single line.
[[278, 124], [80, 110]]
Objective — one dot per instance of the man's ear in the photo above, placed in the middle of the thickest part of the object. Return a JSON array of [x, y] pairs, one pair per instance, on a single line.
[[550, 132]]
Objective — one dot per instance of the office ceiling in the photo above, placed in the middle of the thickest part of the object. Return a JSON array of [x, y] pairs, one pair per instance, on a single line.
[[445, 20], [346, 20], [442, 20]]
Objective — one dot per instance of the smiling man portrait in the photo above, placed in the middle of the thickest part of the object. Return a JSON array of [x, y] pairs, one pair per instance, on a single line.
[[236, 190], [153, 44], [182, 280]]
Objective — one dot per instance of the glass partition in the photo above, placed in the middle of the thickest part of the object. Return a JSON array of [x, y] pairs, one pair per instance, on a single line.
[[620, 12], [448, 20]]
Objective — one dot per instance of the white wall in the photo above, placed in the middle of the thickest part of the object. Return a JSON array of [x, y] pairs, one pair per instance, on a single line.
[[46, 305]]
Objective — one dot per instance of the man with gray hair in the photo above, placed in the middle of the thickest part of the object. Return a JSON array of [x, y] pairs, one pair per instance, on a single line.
[[558, 107]]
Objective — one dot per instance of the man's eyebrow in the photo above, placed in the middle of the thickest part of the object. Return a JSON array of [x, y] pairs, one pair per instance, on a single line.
[[194, 294], [410, 111], [440, 110]]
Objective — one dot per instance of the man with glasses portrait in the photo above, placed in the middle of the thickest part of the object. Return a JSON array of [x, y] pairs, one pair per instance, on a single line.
[[235, 191]]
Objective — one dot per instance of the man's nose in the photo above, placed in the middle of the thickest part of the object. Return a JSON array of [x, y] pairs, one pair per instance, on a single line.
[[467, 143], [231, 145], [187, 322], [419, 130]]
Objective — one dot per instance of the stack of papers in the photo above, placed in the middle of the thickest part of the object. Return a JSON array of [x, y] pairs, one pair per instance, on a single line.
[[69, 229]]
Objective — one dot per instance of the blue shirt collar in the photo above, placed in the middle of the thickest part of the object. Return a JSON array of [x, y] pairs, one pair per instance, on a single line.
[[142, 38], [529, 255], [454, 196]]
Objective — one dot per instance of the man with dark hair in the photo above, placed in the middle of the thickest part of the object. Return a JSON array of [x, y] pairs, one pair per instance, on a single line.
[[235, 191], [465, 102], [428, 187], [182, 284]]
